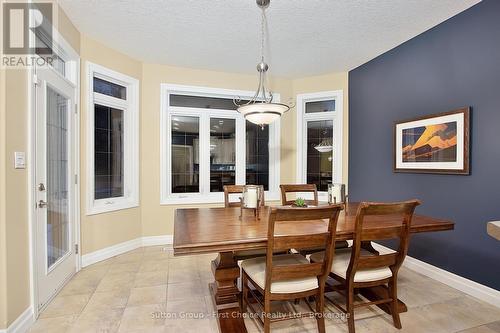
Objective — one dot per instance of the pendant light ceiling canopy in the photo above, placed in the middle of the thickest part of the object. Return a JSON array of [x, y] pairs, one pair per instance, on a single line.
[[260, 109]]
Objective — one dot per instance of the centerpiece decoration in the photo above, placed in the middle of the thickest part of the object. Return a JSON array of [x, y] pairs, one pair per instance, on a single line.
[[251, 199], [300, 202]]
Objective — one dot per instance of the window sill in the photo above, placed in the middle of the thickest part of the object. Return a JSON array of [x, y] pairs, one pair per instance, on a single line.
[[212, 198], [101, 207]]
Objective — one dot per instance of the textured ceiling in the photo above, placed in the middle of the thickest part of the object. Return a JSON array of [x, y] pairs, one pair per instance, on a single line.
[[305, 37]]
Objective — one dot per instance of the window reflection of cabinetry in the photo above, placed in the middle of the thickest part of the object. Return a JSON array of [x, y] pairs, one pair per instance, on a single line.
[[222, 151]]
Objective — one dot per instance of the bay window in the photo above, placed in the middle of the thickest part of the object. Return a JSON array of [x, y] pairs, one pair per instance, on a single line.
[[206, 144]]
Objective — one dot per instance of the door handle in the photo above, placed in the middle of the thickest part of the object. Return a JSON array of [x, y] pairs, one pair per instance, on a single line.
[[42, 204]]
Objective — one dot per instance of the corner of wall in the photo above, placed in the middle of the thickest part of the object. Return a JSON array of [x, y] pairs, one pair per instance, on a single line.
[[67, 29]]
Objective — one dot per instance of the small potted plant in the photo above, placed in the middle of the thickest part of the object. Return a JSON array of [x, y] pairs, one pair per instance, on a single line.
[[299, 202]]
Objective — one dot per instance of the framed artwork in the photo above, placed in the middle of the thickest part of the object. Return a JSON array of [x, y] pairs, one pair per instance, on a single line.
[[433, 144]]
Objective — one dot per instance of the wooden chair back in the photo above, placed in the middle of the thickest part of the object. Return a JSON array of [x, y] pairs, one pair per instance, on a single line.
[[277, 243], [233, 189], [401, 211], [297, 188]]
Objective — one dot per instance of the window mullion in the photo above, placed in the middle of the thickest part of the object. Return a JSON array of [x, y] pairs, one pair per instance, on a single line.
[[110, 101], [240, 150], [204, 153]]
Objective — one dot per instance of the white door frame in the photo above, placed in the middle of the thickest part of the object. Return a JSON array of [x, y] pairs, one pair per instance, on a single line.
[[67, 53]]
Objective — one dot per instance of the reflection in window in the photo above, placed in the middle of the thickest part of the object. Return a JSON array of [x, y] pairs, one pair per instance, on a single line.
[[185, 154], [257, 153], [320, 106], [319, 153], [108, 150], [57, 176], [222, 153], [109, 88]]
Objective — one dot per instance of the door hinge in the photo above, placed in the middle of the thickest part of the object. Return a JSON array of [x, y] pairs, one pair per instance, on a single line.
[[76, 248], [76, 108], [76, 179]]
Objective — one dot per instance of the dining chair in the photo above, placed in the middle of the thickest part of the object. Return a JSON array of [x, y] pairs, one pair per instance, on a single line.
[[238, 189], [357, 268], [299, 188], [290, 276], [306, 188]]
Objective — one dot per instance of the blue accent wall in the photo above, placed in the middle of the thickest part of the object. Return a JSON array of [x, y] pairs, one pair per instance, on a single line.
[[453, 65]]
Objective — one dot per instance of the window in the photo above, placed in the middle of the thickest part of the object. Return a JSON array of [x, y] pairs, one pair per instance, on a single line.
[[206, 144], [222, 153], [185, 154], [319, 139], [108, 152], [257, 144], [113, 147]]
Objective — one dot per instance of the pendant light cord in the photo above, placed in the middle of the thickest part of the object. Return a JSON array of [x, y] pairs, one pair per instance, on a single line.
[[262, 33]]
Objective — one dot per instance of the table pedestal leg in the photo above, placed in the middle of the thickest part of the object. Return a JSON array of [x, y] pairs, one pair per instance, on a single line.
[[225, 293], [367, 245]]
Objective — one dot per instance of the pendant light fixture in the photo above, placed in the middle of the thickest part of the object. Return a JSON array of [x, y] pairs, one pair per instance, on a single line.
[[260, 109]]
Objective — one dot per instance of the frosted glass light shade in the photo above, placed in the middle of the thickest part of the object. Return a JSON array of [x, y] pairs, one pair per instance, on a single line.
[[263, 113], [324, 149]]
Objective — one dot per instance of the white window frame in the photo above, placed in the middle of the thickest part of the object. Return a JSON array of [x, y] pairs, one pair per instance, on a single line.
[[130, 106], [205, 196], [303, 118]]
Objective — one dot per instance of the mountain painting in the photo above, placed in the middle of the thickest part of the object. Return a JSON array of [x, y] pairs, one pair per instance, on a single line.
[[432, 143], [437, 143]]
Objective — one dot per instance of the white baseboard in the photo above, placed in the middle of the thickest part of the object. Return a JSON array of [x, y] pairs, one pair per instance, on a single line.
[[477, 290], [22, 323], [167, 240], [114, 250]]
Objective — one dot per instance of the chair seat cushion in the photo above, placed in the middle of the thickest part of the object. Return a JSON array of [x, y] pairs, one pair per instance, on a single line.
[[256, 269], [341, 263]]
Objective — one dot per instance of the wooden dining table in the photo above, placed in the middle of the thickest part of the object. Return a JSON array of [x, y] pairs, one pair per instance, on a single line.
[[224, 231]]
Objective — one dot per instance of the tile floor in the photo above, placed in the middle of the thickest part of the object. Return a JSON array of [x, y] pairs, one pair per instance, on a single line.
[[146, 290]]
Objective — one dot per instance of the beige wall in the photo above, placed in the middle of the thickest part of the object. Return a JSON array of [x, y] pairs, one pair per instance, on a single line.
[[68, 30], [151, 218], [333, 81], [16, 184], [14, 225], [3, 231], [14, 247], [103, 230]]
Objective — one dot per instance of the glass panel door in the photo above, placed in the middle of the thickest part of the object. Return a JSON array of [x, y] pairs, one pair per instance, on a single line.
[[57, 176], [54, 187]]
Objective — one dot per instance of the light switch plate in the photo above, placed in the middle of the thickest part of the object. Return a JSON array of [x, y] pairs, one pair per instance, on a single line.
[[19, 160]]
